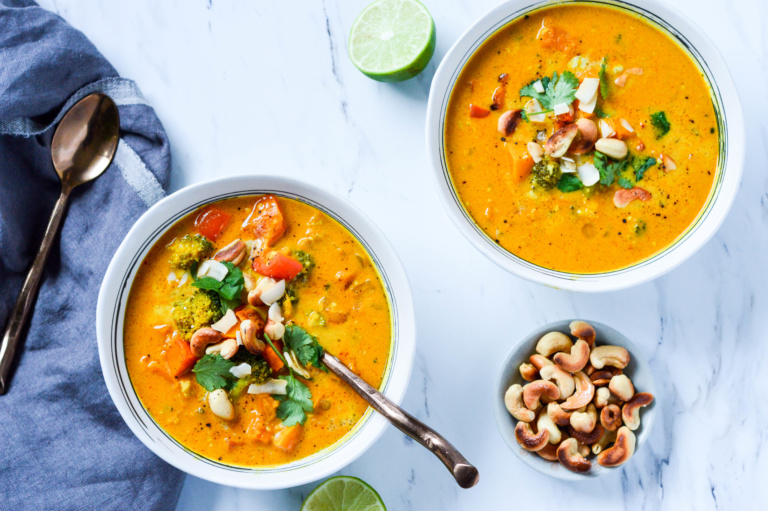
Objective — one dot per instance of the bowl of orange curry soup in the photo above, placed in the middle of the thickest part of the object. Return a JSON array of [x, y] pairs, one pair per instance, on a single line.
[[586, 145], [213, 316]]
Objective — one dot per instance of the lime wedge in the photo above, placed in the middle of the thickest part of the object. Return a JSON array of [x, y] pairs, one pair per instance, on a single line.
[[392, 40], [343, 493]]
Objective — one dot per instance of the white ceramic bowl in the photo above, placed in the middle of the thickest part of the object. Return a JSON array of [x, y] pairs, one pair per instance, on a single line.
[[727, 178], [111, 310], [509, 373]]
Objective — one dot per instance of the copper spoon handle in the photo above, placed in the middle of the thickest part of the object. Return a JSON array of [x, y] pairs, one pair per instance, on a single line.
[[18, 318], [464, 472]]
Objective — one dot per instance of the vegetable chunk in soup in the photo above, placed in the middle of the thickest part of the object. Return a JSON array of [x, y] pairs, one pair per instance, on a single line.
[[582, 139], [226, 324]]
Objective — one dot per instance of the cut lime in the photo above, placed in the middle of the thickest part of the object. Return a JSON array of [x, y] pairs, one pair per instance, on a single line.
[[392, 40], [343, 493]]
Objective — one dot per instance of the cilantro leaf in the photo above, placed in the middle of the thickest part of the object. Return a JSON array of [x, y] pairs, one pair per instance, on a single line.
[[212, 372], [641, 165], [559, 89], [600, 113], [569, 183], [305, 345], [660, 122], [295, 404], [608, 169], [625, 183], [229, 290], [603, 79]]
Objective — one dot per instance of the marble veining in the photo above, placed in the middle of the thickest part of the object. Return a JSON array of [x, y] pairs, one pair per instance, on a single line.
[[267, 87]]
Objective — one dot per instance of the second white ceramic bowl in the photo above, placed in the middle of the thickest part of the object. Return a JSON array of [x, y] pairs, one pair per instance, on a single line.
[[727, 178], [111, 311]]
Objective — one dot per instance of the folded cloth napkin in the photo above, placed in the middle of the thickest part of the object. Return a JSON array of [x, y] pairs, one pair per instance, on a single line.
[[63, 444]]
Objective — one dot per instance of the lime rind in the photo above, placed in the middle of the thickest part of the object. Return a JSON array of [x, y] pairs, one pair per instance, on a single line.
[[392, 40], [343, 493]]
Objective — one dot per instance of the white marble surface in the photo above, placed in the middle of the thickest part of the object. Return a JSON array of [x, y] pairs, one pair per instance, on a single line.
[[266, 87]]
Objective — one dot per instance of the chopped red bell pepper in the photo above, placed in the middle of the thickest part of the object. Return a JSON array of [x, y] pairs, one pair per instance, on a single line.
[[211, 222], [277, 266], [477, 111]]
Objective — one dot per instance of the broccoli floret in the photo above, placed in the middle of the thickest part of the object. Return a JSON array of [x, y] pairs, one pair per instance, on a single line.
[[189, 250], [547, 173], [260, 372], [200, 309]]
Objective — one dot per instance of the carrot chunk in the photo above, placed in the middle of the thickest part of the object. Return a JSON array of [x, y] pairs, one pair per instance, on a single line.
[[477, 111], [179, 357], [288, 438], [272, 358], [521, 167], [266, 221]]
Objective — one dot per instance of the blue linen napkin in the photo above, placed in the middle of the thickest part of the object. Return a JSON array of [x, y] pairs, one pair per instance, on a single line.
[[63, 444]]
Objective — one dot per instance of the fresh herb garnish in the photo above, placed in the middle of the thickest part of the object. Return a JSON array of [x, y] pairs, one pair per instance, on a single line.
[[625, 183], [297, 402], [603, 79], [641, 164], [660, 122], [600, 113], [229, 290], [305, 345], [212, 372], [569, 183], [560, 89], [608, 169]]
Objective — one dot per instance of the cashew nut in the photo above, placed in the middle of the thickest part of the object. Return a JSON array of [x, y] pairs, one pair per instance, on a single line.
[[233, 253], [601, 378], [612, 147], [202, 338], [549, 452], [250, 333], [220, 405], [614, 356], [557, 145], [553, 342], [254, 296], [610, 417], [621, 386], [274, 327], [558, 415], [576, 360], [513, 400], [508, 121], [226, 348], [584, 393], [529, 440], [538, 361], [583, 450], [607, 438], [630, 412], [249, 283], [587, 438], [562, 379], [602, 395], [586, 139], [528, 372], [545, 422], [534, 391], [584, 422], [584, 331], [621, 451], [569, 456]]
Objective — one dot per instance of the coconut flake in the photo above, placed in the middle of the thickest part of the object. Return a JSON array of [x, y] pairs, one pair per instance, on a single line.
[[588, 106], [226, 322], [568, 166], [588, 89], [561, 108], [213, 269], [588, 174], [294, 364], [606, 130], [172, 277], [271, 386], [241, 370], [273, 293], [184, 278], [538, 86], [626, 125], [238, 337], [533, 106]]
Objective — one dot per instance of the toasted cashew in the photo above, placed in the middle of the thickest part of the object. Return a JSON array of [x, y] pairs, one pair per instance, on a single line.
[[584, 331], [602, 395], [575, 360], [529, 372], [220, 404], [529, 440], [630, 412], [233, 253], [587, 438], [250, 333], [549, 452], [226, 348], [534, 391], [614, 356], [583, 394], [553, 342], [558, 415], [601, 378], [607, 438], [545, 422], [621, 451], [254, 296], [610, 417], [562, 379], [513, 400], [203, 338], [539, 361], [569, 456], [621, 386], [584, 422]]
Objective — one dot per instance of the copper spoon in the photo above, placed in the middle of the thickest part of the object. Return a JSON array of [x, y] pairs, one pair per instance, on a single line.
[[465, 473], [82, 148]]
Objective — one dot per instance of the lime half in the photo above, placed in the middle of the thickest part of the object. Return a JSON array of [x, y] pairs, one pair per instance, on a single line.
[[392, 40], [343, 493]]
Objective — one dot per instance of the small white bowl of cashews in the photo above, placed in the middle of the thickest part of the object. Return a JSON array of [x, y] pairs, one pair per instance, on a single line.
[[574, 399]]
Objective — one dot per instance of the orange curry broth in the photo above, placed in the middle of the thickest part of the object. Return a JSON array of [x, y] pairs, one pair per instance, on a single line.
[[343, 285], [583, 231]]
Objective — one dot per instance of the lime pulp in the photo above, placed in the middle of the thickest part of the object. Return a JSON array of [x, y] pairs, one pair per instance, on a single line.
[[343, 493]]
